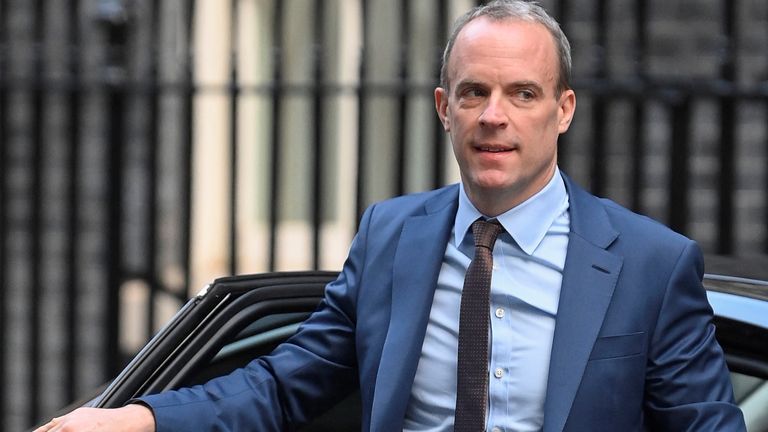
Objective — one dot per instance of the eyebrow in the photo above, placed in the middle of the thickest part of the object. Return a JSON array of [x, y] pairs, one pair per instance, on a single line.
[[532, 84], [467, 83], [513, 85]]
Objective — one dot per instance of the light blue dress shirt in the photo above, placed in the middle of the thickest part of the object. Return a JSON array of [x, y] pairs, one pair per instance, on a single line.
[[525, 288]]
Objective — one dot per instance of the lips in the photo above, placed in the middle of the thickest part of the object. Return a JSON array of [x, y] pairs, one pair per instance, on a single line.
[[493, 148]]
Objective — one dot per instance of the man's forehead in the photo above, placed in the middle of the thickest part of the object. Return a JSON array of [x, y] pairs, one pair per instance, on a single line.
[[507, 40], [507, 29]]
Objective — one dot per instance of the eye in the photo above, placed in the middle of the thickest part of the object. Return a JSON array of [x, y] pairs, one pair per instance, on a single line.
[[526, 94], [472, 92]]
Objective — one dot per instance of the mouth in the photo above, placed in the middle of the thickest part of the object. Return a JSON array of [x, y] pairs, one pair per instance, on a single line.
[[493, 148]]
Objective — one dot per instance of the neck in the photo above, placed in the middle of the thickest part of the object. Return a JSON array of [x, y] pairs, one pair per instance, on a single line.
[[492, 202]]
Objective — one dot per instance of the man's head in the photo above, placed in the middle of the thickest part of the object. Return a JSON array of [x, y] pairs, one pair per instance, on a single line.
[[505, 104], [520, 10]]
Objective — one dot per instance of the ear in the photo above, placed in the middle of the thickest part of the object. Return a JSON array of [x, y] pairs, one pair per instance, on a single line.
[[567, 104], [441, 105]]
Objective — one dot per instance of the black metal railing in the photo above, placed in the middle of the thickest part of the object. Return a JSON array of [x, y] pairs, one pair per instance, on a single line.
[[96, 150]]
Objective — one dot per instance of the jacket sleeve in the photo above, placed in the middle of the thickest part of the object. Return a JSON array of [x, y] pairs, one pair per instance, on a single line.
[[300, 379], [688, 386]]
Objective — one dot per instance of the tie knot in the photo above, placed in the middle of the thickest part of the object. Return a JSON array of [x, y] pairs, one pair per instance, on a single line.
[[485, 232]]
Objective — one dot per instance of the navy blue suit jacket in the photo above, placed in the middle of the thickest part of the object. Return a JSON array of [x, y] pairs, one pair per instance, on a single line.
[[634, 345]]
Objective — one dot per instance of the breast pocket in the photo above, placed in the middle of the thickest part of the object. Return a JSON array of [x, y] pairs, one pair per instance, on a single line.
[[615, 346]]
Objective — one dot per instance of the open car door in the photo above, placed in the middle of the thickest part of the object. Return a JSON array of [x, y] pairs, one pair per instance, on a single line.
[[231, 322]]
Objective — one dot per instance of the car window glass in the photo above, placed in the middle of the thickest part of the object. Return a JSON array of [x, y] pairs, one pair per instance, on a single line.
[[752, 396], [256, 339]]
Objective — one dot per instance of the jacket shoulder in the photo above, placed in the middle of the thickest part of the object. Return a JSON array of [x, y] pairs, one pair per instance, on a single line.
[[415, 203], [629, 222]]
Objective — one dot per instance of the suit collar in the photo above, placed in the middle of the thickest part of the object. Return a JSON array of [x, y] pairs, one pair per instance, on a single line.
[[589, 279], [443, 199], [588, 218]]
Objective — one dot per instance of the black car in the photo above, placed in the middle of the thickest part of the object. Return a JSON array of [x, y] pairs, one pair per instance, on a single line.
[[236, 319]]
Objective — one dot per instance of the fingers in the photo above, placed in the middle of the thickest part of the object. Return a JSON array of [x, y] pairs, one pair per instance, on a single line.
[[48, 427], [128, 418]]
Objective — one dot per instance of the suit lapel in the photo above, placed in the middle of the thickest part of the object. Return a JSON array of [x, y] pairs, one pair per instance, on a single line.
[[589, 279], [416, 266]]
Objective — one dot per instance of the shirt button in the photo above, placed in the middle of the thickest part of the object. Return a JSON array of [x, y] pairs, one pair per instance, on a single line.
[[499, 312], [498, 373], [496, 429]]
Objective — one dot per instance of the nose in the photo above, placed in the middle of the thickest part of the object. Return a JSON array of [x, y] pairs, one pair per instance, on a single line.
[[494, 115]]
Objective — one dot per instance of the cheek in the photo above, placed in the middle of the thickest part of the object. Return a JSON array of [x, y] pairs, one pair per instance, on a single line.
[[545, 126], [461, 125]]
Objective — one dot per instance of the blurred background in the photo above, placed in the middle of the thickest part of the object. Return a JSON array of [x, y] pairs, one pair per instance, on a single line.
[[147, 147]]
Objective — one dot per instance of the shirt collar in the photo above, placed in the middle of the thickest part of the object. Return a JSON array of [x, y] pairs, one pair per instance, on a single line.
[[527, 223]]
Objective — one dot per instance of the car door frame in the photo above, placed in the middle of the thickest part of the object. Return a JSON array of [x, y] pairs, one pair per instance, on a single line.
[[205, 323]]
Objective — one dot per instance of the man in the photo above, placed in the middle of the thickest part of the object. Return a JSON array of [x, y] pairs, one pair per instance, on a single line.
[[598, 320]]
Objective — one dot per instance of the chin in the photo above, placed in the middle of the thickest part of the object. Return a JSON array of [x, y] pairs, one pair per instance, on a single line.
[[494, 180]]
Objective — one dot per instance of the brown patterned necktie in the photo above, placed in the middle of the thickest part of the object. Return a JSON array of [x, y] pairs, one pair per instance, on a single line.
[[472, 369]]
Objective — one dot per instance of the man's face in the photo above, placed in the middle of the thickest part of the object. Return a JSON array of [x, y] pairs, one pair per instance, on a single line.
[[501, 112]]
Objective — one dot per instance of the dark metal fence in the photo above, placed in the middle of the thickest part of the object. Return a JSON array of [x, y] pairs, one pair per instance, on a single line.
[[96, 147], [80, 101]]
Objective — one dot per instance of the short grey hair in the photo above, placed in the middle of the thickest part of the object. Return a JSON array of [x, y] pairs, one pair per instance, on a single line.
[[529, 11]]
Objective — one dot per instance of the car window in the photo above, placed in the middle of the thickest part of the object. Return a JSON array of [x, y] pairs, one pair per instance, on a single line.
[[752, 396], [256, 339], [259, 338], [746, 350]]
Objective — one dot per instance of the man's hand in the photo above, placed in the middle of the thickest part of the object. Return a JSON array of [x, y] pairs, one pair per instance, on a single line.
[[130, 418]]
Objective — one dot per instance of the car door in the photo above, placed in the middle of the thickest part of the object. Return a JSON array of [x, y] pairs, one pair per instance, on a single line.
[[234, 320]]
